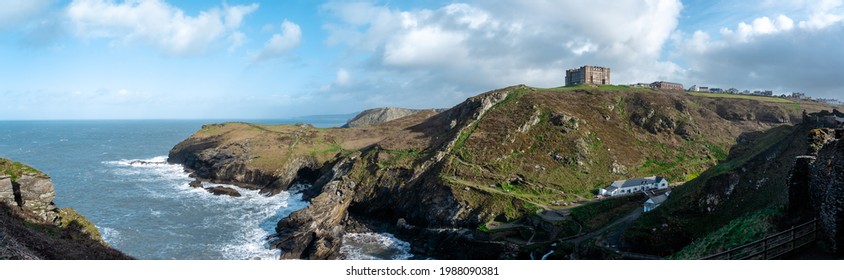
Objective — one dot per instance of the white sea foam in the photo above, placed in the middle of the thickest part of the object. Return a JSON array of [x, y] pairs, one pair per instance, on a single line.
[[374, 246], [233, 227], [253, 214], [110, 235], [158, 160], [258, 222], [148, 170]]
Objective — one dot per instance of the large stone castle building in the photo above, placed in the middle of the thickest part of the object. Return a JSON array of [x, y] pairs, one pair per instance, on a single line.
[[593, 75]]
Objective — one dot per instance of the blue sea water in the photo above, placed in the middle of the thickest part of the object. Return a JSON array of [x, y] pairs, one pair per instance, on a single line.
[[148, 210]]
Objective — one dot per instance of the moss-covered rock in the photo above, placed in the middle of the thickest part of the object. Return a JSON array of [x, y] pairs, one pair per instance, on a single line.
[[72, 220]]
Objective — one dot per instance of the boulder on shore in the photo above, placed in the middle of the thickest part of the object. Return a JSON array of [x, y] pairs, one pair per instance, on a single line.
[[195, 184], [221, 190]]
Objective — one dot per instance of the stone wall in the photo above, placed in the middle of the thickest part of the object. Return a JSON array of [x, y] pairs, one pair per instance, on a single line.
[[827, 186], [816, 186]]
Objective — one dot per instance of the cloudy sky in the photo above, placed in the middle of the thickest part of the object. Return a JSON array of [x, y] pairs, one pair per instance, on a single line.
[[154, 59]]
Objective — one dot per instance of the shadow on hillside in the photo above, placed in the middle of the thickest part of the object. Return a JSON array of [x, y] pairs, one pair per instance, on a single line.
[[24, 240]]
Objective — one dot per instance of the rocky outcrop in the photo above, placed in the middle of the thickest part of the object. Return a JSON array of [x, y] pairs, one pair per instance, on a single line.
[[652, 119], [378, 115], [229, 163], [37, 193], [316, 231], [195, 184], [33, 193], [221, 190], [31, 227], [7, 191], [566, 122]]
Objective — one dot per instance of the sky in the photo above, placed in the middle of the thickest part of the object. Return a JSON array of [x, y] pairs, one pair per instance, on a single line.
[[169, 59]]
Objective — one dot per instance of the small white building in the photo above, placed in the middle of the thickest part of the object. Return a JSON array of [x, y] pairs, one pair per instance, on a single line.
[[622, 187], [655, 201]]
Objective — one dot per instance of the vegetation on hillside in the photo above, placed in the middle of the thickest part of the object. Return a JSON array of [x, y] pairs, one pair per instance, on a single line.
[[737, 232], [15, 169], [550, 149], [743, 96], [752, 180]]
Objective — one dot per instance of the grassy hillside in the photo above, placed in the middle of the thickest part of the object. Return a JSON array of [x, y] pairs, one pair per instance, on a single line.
[[15, 169], [743, 96], [552, 147], [753, 179], [737, 232], [535, 149]]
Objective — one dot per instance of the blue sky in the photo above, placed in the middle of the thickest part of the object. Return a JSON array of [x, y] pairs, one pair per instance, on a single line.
[[154, 59]]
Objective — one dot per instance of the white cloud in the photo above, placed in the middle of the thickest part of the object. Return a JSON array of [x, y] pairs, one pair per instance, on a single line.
[[16, 11], [281, 43], [343, 77], [426, 46], [463, 49], [157, 23], [759, 26], [772, 54]]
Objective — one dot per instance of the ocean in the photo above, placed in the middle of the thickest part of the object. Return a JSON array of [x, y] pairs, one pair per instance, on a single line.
[[148, 210]]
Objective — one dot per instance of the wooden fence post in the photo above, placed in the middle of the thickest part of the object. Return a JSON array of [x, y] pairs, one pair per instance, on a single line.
[[765, 248]]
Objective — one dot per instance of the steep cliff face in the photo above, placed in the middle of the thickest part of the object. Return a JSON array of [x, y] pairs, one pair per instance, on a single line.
[[816, 186], [766, 172], [33, 193], [31, 227], [502, 155], [827, 186]]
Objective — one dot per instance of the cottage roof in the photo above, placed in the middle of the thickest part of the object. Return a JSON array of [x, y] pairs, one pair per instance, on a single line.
[[659, 199], [636, 182]]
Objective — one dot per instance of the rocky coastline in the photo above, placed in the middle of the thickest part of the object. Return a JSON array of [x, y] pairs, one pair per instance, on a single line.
[[413, 177]]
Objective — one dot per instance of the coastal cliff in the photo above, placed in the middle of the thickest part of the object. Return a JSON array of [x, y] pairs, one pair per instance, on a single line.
[[31, 227], [477, 180]]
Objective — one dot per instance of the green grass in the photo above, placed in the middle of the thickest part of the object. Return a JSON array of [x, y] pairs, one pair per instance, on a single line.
[[740, 231], [460, 145], [15, 169], [599, 87], [400, 157], [742, 96], [330, 149], [506, 186], [771, 137], [71, 219], [717, 151]]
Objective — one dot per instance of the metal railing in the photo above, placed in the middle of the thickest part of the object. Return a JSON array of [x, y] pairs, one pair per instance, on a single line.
[[772, 246]]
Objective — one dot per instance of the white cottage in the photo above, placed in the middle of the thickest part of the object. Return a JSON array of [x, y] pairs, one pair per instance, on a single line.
[[622, 187], [655, 201]]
